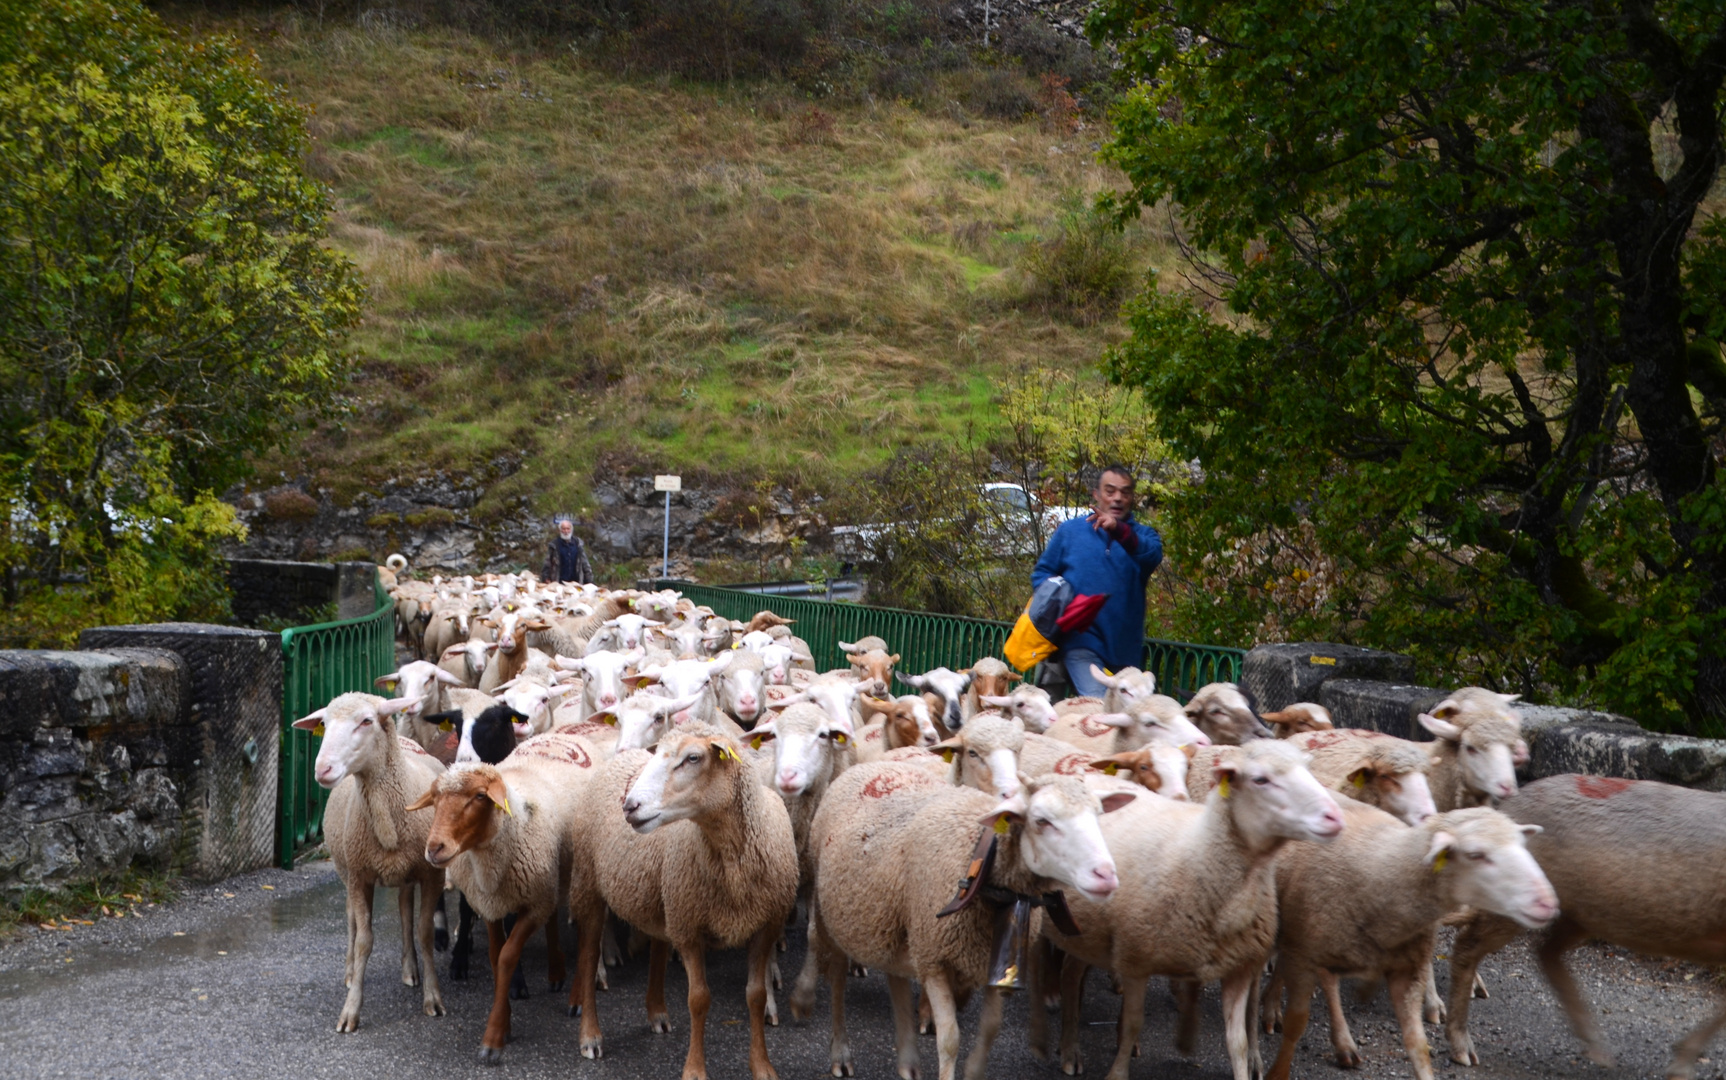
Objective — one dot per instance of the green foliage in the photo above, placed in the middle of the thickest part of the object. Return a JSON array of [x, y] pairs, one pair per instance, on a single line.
[[1452, 298], [1080, 267], [166, 308], [116, 896]]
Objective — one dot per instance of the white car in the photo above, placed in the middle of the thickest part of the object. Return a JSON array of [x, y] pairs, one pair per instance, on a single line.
[[1020, 524]]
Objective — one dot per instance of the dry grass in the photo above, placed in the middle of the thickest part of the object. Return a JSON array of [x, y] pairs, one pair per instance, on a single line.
[[564, 264]]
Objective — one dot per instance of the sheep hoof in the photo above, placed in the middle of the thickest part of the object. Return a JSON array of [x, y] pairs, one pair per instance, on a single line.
[[1433, 1014], [349, 1022], [1347, 1059], [858, 971], [1600, 1055], [771, 1015], [410, 978], [518, 993], [434, 1007], [1479, 987], [440, 939], [908, 1072], [1074, 1067], [491, 1055], [659, 1025], [593, 1051], [844, 1068], [1462, 1051], [1135, 1050], [554, 985], [457, 966], [573, 1010]]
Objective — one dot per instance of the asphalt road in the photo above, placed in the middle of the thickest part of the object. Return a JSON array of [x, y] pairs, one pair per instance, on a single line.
[[243, 979]]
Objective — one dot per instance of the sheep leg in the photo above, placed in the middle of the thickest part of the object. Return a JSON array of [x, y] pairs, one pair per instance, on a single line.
[[1073, 972], [431, 1000], [1564, 936], [518, 980], [554, 974], [505, 958], [1476, 939], [1238, 986], [803, 990], [925, 1014], [1433, 1010], [1271, 1007], [405, 910], [610, 955], [904, 1028], [1052, 962], [1341, 1039], [359, 950], [1299, 983], [1132, 1019], [658, 1017], [700, 997], [761, 950], [988, 1027], [1186, 994], [462, 951], [1405, 998], [582, 992], [440, 924], [940, 997], [1036, 977], [840, 1045], [1684, 1055]]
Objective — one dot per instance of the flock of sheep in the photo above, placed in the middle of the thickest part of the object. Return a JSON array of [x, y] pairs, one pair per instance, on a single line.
[[666, 774]]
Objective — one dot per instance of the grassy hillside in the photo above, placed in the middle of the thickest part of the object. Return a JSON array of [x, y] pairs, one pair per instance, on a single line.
[[580, 267]]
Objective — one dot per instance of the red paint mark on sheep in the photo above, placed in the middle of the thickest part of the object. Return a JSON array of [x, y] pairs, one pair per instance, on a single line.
[[1073, 765], [888, 782], [1601, 787], [1096, 729], [585, 727], [556, 748], [1319, 740]]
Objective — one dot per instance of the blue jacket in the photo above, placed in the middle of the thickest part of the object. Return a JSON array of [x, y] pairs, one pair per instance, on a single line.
[[1095, 562]]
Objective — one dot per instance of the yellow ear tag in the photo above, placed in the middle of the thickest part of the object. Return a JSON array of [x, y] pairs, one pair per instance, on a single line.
[[505, 805], [446, 726], [755, 743], [1001, 825], [1438, 864], [1111, 769], [1109, 673], [727, 753], [1223, 786], [737, 644], [839, 737], [318, 731], [946, 755], [1359, 780]]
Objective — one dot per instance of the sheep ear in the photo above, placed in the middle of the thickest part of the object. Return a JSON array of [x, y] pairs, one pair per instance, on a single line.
[[760, 733], [848, 647], [1014, 676], [396, 705], [1519, 753], [605, 716], [1360, 778], [537, 626], [1103, 677], [447, 679], [1008, 811], [1446, 709], [948, 749], [1225, 772], [997, 702], [783, 702], [1111, 764], [1442, 842], [1113, 719], [1531, 830], [1114, 800], [920, 682], [311, 721], [1444, 729], [392, 677], [499, 793], [1190, 749], [452, 652], [429, 798]]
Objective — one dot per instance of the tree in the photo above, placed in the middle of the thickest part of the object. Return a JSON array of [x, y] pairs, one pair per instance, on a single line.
[[167, 308], [1461, 292]]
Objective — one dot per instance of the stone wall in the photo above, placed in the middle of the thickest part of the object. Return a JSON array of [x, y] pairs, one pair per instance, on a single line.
[[283, 589], [1365, 688], [152, 746]]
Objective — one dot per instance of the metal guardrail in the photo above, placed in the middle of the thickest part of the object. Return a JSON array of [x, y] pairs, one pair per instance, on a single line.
[[318, 663], [924, 641]]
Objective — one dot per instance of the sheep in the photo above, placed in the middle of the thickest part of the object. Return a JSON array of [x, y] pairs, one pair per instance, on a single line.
[[602, 677], [423, 682], [984, 754], [860, 646], [1198, 896], [1124, 687], [875, 665], [1152, 717], [503, 833], [371, 772], [1400, 881], [892, 841], [1373, 768], [389, 574], [642, 719], [945, 690], [619, 634], [765, 620], [740, 687], [689, 678], [891, 724], [1156, 767], [511, 656], [702, 856], [1029, 703], [1301, 717], [989, 676], [778, 661], [1479, 747], [1636, 864], [1226, 714]]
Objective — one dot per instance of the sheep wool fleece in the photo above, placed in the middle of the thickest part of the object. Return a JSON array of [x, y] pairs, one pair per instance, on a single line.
[[1096, 562]]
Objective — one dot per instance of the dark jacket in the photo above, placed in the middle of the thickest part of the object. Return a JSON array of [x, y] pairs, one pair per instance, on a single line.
[[1098, 562], [567, 561]]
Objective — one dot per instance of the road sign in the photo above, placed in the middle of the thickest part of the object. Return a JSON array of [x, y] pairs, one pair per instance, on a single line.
[[668, 483]]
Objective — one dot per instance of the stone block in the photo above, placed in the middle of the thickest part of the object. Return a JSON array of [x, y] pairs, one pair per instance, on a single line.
[[1601, 744], [95, 754], [356, 594], [235, 704], [1279, 675], [282, 589], [1386, 707]]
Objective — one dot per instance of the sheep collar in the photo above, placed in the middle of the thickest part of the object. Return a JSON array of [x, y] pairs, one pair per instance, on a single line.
[[975, 884]]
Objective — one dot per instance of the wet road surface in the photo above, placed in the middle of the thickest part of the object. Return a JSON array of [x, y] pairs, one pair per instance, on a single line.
[[243, 979]]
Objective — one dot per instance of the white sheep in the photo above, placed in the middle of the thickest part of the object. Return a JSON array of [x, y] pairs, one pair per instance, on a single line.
[[1152, 717], [1198, 896], [741, 687], [946, 690], [372, 773], [602, 674], [892, 841], [1031, 704], [1478, 749], [1225, 713], [699, 856]]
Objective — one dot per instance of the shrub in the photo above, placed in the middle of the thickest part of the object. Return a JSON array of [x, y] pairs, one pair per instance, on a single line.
[[290, 505], [1043, 50], [1080, 267]]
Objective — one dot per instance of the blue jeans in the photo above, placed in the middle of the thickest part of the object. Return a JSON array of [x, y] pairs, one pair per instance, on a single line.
[[1078, 665]]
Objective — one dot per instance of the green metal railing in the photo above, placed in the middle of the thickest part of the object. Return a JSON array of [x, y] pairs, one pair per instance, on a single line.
[[924, 641], [318, 663]]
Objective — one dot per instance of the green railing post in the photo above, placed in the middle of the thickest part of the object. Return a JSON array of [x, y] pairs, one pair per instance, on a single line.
[[318, 663], [926, 641]]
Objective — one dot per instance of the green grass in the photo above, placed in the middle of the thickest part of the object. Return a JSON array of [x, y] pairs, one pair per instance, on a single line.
[[86, 902], [661, 273]]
